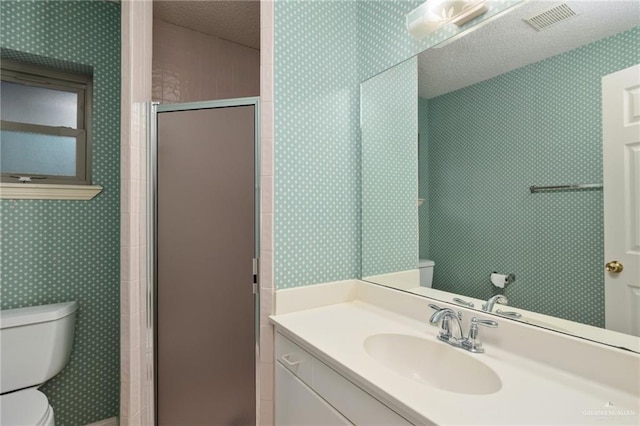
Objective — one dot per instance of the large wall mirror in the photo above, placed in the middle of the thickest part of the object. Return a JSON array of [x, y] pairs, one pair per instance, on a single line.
[[452, 142]]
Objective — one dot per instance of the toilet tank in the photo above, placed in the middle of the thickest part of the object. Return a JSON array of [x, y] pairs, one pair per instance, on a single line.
[[426, 272], [35, 344]]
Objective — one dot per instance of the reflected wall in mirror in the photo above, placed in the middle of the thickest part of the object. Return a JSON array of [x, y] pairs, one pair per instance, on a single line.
[[499, 110]]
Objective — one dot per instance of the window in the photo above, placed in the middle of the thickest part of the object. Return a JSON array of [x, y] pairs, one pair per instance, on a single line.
[[45, 132]]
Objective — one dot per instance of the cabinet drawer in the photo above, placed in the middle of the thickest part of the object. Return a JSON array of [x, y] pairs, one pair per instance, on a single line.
[[294, 359], [298, 405], [351, 401], [354, 403]]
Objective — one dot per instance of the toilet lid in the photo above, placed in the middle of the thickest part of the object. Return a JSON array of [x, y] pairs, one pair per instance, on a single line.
[[26, 407]]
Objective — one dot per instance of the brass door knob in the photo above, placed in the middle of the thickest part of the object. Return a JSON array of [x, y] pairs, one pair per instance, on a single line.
[[614, 266]]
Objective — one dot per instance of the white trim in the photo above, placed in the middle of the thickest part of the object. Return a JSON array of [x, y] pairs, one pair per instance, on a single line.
[[28, 191], [113, 421]]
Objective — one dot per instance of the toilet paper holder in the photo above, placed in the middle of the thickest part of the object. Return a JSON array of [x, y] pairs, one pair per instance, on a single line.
[[508, 279]]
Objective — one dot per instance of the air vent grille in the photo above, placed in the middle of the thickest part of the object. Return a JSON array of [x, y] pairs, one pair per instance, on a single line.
[[550, 17]]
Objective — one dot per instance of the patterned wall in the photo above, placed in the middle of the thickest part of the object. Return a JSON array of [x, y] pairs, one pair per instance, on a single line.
[[423, 178], [389, 167], [323, 50], [54, 251], [537, 125], [317, 156]]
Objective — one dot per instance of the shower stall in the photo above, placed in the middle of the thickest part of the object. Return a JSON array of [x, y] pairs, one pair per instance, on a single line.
[[203, 292]]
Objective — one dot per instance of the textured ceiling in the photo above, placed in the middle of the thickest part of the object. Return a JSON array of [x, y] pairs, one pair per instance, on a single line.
[[509, 43], [237, 21]]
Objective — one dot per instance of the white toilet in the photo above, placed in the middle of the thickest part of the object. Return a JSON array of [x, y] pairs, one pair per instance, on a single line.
[[35, 344], [426, 272]]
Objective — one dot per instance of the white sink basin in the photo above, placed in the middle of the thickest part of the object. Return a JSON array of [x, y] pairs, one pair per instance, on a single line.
[[433, 363]]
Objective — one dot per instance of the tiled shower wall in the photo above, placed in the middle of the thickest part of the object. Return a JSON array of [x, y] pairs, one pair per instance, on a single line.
[[191, 66], [265, 378], [135, 382]]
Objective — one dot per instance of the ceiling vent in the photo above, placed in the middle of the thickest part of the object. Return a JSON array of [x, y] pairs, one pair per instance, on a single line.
[[551, 17]]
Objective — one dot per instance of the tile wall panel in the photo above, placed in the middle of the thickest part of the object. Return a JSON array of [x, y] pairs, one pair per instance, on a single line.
[[265, 381], [136, 385], [191, 66]]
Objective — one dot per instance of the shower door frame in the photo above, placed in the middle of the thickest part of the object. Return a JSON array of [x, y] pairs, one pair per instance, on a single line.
[[152, 110]]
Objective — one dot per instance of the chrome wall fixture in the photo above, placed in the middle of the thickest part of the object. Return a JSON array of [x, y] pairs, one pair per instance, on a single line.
[[534, 188]]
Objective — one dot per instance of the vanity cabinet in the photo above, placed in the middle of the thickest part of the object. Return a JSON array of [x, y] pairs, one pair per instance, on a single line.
[[308, 392], [297, 404]]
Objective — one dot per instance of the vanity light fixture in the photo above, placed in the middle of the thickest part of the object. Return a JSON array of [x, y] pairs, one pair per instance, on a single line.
[[433, 14]]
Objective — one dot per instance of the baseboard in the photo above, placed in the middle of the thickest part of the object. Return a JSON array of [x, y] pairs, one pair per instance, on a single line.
[[113, 421]]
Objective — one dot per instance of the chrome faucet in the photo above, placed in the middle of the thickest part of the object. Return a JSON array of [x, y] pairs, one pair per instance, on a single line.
[[450, 328], [472, 343], [498, 298]]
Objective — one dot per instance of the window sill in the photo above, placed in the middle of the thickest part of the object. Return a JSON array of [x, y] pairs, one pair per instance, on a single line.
[[30, 191]]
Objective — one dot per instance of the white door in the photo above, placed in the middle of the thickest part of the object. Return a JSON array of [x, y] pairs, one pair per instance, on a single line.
[[621, 162]]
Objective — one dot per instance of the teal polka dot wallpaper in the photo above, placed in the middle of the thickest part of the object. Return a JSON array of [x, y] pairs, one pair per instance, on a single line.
[[423, 178], [323, 50], [538, 125], [317, 154], [389, 114], [54, 251]]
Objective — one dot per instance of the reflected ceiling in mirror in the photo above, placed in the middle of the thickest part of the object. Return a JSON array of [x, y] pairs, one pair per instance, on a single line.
[[503, 108]]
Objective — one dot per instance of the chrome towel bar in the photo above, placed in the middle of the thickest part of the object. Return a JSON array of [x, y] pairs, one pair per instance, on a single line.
[[558, 187]]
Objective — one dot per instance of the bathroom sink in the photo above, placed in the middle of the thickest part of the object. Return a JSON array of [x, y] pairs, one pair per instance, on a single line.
[[433, 363]]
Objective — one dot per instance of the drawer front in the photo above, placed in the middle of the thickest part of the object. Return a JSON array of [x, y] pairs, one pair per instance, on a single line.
[[354, 403], [294, 359], [299, 405]]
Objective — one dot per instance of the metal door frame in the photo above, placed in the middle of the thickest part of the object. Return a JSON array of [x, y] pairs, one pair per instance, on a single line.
[[152, 111]]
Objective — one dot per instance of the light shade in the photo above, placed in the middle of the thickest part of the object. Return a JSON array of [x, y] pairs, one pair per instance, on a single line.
[[433, 14]]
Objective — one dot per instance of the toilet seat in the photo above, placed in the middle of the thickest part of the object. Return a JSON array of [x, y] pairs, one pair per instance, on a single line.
[[28, 407]]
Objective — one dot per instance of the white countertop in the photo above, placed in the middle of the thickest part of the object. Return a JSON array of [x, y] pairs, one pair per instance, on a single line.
[[532, 393]]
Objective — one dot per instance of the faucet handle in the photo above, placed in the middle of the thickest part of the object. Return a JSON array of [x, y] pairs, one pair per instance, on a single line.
[[471, 343], [508, 314], [459, 301], [486, 323]]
